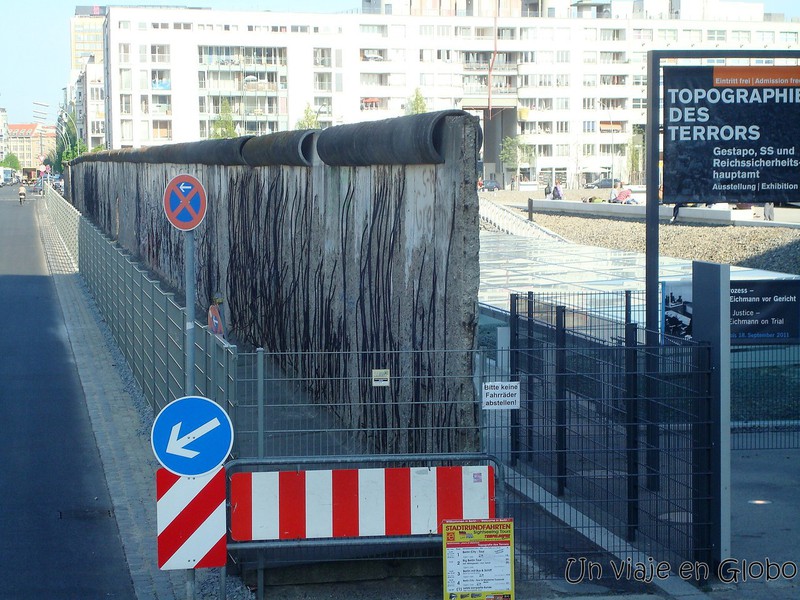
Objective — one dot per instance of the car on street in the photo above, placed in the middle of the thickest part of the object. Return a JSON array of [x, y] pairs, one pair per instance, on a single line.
[[606, 182], [490, 185]]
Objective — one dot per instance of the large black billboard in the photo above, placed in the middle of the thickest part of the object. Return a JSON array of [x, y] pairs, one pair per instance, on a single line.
[[730, 134]]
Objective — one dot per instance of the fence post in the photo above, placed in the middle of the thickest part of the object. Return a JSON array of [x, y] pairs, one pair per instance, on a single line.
[[513, 370], [560, 399], [529, 375], [632, 427], [260, 399], [711, 284]]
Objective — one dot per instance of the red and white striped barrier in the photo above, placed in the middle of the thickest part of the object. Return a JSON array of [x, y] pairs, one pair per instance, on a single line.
[[357, 502], [190, 514]]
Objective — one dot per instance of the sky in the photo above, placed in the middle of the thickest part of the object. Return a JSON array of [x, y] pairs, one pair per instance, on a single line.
[[34, 43]]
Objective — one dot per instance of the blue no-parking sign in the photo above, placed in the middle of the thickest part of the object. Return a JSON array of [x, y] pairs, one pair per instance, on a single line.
[[192, 436]]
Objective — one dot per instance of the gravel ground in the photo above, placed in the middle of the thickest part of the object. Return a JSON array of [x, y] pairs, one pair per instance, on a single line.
[[771, 249]]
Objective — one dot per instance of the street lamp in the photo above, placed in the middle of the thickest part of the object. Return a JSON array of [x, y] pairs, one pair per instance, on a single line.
[[40, 115], [65, 114]]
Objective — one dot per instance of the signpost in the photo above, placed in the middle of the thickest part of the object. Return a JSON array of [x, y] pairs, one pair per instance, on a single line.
[[191, 438], [185, 208]]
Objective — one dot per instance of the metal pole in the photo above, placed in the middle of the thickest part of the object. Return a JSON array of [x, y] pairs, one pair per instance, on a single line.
[[188, 249], [190, 316], [652, 308]]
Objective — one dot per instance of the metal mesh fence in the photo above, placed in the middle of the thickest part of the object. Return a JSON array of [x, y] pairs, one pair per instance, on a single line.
[[611, 434], [604, 459], [765, 397]]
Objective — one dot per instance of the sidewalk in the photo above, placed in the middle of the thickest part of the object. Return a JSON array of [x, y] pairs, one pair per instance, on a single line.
[[752, 217], [121, 421]]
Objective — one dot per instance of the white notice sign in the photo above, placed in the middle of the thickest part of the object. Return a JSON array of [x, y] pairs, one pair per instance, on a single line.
[[500, 394]]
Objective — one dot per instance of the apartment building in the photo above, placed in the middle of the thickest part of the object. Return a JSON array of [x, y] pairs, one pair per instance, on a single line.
[[567, 79], [31, 142], [84, 103]]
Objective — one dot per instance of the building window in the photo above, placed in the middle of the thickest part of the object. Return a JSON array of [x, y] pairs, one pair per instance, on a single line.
[[590, 57], [322, 57], [159, 53], [97, 94], [562, 103], [144, 130], [645, 35], [588, 149], [740, 36], [124, 25], [716, 35], [789, 37], [589, 80], [639, 103], [693, 35], [562, 149], [379, 30], [612, 35], [124, 79], [182, 26], [589, 103], [162, 130], [126, 129], [612, 58], [98, 127], [162, 104], [589, 126], [613, 79], [640, 80], [125, 104], [562, 56], [124, 53], [765, 37], [668, 35], [562, 126], [544, 80], [322, 82], [160, 79]]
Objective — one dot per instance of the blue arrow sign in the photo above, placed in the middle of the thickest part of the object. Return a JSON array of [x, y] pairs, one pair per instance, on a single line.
[[192, 436]]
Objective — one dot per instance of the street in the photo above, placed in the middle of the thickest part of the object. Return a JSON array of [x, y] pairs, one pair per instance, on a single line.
[[60, 537]]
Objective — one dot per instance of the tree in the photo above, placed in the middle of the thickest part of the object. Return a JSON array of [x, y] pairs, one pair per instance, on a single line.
[[416, 104], [309, 120], [513, 153], [223, 126], [11, 161]]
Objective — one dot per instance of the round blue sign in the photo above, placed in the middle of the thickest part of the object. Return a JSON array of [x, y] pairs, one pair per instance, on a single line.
[[192, 436]]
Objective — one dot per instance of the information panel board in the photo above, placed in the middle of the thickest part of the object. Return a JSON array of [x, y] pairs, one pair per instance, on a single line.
[[478, 559], [763, 311], [731, 134]]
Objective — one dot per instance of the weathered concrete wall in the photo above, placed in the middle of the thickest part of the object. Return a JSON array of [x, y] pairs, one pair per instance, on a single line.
[[372, 248]]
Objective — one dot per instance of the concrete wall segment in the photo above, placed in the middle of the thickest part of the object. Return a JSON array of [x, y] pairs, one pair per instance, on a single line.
[[379, 258]]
